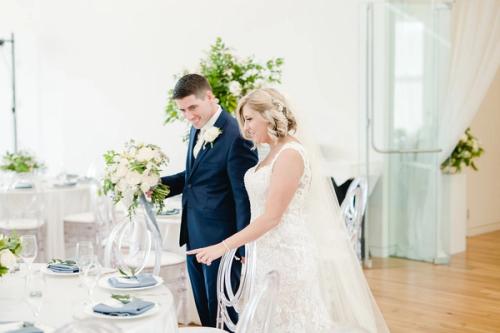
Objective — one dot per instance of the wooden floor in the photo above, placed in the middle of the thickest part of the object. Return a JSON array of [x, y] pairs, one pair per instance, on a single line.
[[463, 296]]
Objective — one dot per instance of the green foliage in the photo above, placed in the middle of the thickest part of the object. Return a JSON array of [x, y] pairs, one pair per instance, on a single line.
[[465, 153], [231, 78], [20, 162]]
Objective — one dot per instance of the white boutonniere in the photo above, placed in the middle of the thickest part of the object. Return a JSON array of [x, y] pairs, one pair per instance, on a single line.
[[210, 135]]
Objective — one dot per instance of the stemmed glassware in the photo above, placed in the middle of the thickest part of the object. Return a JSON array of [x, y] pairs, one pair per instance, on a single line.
[[29, 250]]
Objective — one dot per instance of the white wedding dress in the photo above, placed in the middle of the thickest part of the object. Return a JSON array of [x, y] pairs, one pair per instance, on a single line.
[[289, 249]]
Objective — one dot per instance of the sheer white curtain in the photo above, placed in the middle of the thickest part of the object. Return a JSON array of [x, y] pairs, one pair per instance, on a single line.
[[475, 58]]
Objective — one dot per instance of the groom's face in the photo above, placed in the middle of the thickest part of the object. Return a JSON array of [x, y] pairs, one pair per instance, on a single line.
[[197, 109]]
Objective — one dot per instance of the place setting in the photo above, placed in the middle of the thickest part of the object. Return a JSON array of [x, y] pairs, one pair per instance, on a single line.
[[122, 306], [59, 267]]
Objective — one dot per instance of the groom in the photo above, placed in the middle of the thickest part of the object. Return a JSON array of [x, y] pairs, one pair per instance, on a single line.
[[214, 200]]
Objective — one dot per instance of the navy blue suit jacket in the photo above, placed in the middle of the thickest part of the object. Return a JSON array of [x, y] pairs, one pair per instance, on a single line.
[[214, 199]]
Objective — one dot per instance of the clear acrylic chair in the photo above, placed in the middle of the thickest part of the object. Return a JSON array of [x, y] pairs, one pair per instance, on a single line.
[[353, 208], [93, 225], [23, 211], [258, 314], [228, 299]]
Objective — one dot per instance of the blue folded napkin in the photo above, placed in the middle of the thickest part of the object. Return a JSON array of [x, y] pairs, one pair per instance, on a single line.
[[138, 281], [63, 268], [19, 186], [134, 308]]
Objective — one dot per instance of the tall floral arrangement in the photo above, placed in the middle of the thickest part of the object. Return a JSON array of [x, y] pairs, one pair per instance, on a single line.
[[231, 77]]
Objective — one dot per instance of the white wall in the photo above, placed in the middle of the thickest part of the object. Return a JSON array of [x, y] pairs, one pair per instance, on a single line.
[[483, 186], [94, 73]]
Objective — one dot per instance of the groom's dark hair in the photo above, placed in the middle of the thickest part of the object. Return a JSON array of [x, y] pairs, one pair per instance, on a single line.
[[191, 84]]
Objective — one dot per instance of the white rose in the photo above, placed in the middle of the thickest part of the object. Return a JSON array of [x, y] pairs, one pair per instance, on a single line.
[[235, 88], [7, 258], [145, 154], [211, 134], [122, 170], [133, 178], [148, 182]]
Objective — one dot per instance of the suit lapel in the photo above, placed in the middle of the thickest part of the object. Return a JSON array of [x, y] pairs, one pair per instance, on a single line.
[[220, 124], [192, 137]]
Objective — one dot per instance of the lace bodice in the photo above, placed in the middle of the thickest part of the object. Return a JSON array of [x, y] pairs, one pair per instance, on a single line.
[[288, 249], [257, 184]]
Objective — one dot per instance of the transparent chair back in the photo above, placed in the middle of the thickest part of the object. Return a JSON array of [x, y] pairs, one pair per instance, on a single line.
[[104, 212], [89, 326], [353, 208], [259, 312], [228, 298], [22, 209]]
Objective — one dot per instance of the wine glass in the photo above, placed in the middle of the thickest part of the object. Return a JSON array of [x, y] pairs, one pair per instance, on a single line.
[[29, 250], [35, 290], [91, 274], [83, 256]]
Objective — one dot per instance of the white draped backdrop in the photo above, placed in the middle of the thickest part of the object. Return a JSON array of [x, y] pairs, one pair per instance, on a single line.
[[475, 58]]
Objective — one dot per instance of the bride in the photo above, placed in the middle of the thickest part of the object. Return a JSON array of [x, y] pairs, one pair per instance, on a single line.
[[297, 228]]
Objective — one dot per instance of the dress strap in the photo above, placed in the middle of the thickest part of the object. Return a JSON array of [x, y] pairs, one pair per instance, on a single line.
[[291, 145]]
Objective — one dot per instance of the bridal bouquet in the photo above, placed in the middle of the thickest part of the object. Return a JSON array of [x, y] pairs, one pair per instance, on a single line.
[[20, 162], [134, 172], [10, 246]]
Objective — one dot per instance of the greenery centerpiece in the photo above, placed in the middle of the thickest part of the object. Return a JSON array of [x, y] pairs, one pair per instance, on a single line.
[[20, 162], [231, 77]]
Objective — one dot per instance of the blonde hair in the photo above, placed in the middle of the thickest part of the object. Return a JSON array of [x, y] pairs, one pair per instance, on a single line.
[[271, 105]]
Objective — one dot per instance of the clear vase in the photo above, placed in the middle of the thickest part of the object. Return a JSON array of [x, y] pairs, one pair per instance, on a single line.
[[134, 241]]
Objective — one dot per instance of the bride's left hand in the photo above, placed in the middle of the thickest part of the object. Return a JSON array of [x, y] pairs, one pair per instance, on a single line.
[[206, 255]]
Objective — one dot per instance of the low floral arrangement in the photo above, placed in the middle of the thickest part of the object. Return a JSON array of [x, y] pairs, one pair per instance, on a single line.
[[20, 162], [134, 172], [10, 247], [466, 151], [230, 77]]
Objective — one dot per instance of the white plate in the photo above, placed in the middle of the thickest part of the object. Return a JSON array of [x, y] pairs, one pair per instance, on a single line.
[[103, 283], [89, 310], [47, 271]]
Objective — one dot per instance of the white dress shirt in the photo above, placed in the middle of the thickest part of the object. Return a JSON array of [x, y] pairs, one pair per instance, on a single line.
[[209, 124]]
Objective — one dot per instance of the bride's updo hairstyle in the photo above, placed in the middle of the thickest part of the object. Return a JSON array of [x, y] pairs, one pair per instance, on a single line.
[[271, 105]]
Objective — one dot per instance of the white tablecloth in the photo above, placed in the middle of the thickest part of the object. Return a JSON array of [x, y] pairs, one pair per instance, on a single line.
[[58, 202], [170, 227], [63, 302]]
